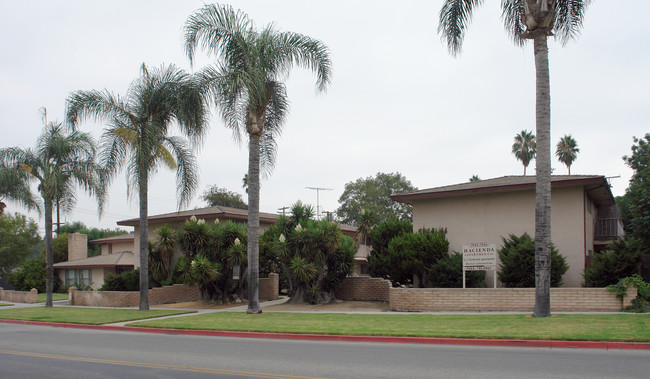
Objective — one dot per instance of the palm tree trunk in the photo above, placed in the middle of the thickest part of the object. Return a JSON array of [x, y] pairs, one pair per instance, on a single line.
[[543, 180], [254, 224], [144, 240], [49, 254]]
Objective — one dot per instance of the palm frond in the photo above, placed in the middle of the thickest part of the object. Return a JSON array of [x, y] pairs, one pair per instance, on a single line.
[[454, 18], [569, 18], [512, 14]]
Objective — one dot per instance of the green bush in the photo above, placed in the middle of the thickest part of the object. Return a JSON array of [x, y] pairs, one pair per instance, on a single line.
[[448, 273], [413, 254], [621, 259], [517, 268], [380, 236], [641, 303], [126, 281], [32, 275]]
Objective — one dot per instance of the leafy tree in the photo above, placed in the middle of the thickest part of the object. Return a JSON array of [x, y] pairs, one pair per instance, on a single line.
[[138, 136], [14, 186], [214, 196], [92, 234], [567, 151], [18, 240], [61, 160], [59, 248], [412, 255], [314, 255], [525, 20], [517, 269], [621, 259], [524, 147], [373, 195], [380, 237], [448, 273], [246, 82], [33, 274], [635, 204]]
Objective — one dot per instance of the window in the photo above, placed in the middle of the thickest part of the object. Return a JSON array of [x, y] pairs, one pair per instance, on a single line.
[[78, 277]]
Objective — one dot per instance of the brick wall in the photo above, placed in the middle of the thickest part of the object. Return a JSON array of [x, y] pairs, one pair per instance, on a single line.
[[178, 293], [363, 288], [269, 287], [504, 299], [30, 297]]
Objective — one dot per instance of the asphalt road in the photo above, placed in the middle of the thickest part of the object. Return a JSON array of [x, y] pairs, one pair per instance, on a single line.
[[29, 351]]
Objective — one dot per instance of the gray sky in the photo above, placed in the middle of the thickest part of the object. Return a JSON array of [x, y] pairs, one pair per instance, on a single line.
[[397, 102]]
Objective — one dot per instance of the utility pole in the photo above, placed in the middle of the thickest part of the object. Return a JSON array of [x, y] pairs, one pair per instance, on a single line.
[[283, 209], [318, 189]]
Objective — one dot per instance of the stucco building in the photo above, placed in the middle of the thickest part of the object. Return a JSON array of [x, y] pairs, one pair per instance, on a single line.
[[584, 217]]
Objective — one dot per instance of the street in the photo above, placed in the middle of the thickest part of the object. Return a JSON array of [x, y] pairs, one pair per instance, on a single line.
[[29, 351]]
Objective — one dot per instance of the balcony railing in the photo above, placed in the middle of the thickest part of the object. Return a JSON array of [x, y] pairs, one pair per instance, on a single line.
[[607, 229]]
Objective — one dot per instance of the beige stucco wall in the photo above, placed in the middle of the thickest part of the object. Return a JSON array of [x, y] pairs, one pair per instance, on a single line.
[[117, 247], [488, 217]]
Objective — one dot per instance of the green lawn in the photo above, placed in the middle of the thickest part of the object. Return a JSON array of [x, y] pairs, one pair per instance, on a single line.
[[607, 327], [92, 316], [55, 297], [4, 305]]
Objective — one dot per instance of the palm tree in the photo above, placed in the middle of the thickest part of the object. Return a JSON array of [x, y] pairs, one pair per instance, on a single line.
[[61, 160], [525, 147], [14, 186], [524, 20], [475, 178], [138, 136], [247, 86], [567, 151]]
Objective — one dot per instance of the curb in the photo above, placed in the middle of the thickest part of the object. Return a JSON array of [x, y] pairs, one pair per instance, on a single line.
[[385, 339]]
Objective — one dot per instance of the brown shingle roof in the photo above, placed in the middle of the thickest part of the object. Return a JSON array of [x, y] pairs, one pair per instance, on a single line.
[[119, 238], [597, 186], [209, 212], [122, 259]]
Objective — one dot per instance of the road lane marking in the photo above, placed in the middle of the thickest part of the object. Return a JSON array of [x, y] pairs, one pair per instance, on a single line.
[[154, 365]]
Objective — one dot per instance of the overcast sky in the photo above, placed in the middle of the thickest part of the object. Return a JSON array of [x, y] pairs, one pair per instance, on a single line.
[[398, 102]]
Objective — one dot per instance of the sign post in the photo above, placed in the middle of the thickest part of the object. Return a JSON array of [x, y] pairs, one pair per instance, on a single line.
[[480, 256]]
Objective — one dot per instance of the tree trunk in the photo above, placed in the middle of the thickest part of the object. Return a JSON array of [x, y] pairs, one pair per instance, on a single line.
[[543, 180], [144, 240], [49, 254], [298, 296], [253, 224]]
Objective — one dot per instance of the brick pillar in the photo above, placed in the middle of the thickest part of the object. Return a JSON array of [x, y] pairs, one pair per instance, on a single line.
[[71, 292]]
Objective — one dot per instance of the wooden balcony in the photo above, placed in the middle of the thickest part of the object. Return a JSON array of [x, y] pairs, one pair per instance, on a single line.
[[608, 229]]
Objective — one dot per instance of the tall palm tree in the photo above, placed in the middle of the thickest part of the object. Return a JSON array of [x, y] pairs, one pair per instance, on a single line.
[[524, 147], [247, 87], [137, 135], [567, 151], [61, 160], [14, 186], [525, 20]]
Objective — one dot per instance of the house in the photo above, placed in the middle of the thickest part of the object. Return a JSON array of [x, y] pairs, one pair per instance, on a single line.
[[80, 270], [584, 216], [79, 267]]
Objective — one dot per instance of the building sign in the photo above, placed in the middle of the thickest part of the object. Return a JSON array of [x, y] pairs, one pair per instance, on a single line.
[[480, 256]]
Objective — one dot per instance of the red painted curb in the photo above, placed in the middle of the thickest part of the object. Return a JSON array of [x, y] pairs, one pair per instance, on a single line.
[[385, 339]]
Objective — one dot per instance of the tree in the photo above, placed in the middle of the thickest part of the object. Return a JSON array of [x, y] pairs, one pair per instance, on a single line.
[[14, 186], [247, 87], [33, 274], [61, 160], [567, 151], [524, 20], [474, 178], [18, 240], [373, 195], [138, 136], [92, 233], [621, 259], [635, 204], [214, 196], [524, 147], [412, 255], [380, 237]]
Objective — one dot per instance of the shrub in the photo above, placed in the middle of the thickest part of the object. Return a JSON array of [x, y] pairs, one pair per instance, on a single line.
[[641, 303], [126, 281], [620, 260], [32, 275], [448, 273], [517, 268], [380, 237], [413, 254]]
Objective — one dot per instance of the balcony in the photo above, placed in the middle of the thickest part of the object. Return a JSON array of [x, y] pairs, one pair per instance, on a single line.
[[608, 229]]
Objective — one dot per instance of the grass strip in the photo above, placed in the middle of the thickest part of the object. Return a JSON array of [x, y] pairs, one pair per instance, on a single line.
[[572, 327], [4, 305], [91, 316], [55, 297]]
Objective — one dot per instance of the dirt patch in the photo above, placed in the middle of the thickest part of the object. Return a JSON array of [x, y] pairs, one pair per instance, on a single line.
[[341, 306]]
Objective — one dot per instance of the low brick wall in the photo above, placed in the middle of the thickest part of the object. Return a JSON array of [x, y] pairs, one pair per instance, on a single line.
[[30, 297], [363, 288], [269, 287], [504, 299], [178, 293]]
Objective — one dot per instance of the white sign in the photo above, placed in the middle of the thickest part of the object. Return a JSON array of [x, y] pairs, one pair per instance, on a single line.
[[480, 256]]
